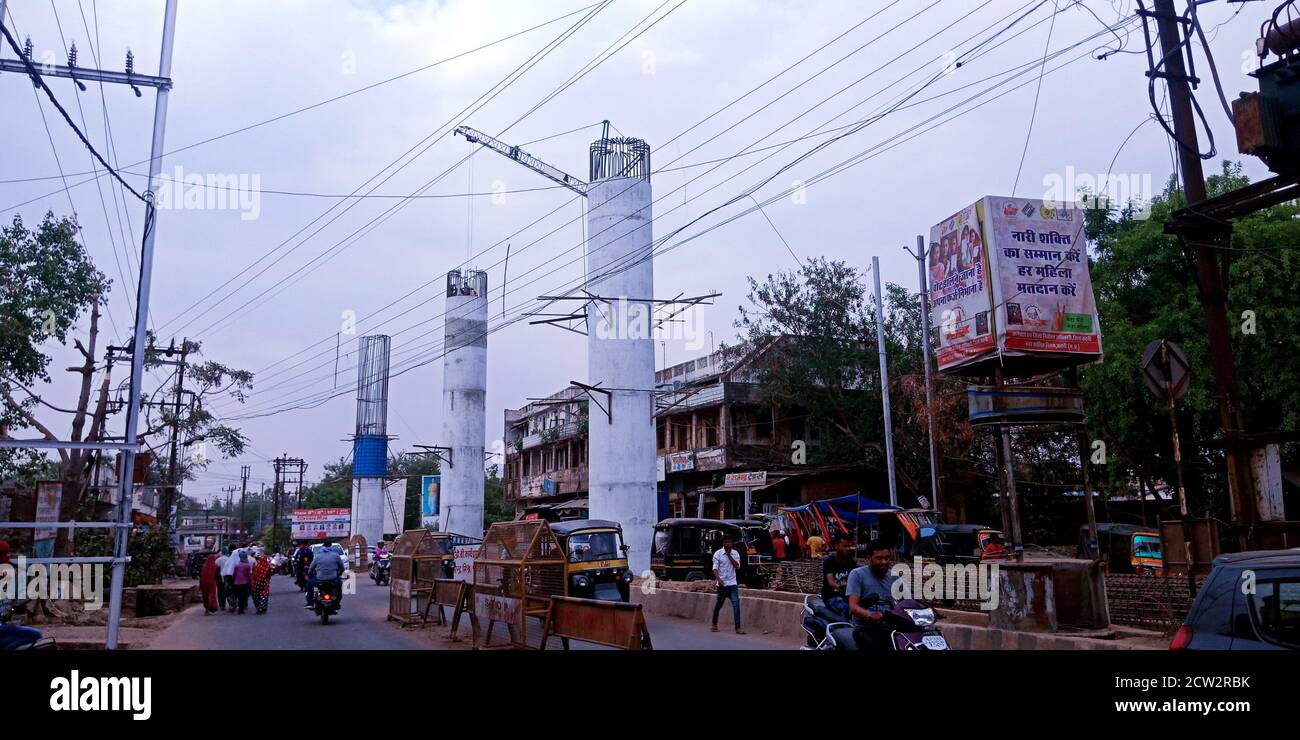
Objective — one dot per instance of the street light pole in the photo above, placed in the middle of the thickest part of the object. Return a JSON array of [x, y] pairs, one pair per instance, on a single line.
[[884, 385]]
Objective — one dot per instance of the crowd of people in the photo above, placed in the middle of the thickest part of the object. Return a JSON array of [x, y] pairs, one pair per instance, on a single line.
[[231, 578]]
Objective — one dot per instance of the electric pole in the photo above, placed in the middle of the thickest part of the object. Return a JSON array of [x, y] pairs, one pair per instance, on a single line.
[[1213, 294], [243, 497], [936, 466], [173, 470]]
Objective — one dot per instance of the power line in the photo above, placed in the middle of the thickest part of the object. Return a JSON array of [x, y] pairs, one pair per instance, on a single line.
[[857, 159], [431, 139], [556, 269]]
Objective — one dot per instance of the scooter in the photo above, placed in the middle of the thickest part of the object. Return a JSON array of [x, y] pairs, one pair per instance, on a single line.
[[379, 569], [910, 625]]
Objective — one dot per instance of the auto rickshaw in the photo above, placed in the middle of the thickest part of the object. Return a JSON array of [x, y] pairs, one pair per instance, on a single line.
[[959, 543], [683, 550], [758, 539], [1125, 548], [596, 559]]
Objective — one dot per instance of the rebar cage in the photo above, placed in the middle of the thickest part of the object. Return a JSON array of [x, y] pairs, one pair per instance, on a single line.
[[467, 283], [372, 386], [619, 157]]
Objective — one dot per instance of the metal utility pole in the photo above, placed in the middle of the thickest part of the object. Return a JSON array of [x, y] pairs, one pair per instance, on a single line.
[[1007, 480], [936, 479], [284, 465], [884, 384], [140, 337], [173, 471], [1213, 294], [243, 498]]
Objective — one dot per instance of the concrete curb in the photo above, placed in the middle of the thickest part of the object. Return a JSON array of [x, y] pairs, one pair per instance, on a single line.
[[782, 618]]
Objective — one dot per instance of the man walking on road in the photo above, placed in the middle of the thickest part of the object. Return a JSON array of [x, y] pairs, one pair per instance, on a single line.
[[726, 566]]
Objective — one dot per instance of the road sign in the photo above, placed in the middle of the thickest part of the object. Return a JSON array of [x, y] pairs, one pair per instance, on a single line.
[[1160, 373]]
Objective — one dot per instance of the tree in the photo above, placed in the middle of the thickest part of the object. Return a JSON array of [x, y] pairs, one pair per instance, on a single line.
[[821, 358], [1145, 282]]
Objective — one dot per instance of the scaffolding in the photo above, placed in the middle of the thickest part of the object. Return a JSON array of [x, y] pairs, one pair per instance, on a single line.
[[372, 386]]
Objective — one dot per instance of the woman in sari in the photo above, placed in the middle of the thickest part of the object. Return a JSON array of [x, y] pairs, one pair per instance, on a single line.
[[261, 582], [209, 577]]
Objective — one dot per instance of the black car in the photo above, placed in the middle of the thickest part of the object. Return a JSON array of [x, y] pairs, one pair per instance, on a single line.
[[1251, 601]]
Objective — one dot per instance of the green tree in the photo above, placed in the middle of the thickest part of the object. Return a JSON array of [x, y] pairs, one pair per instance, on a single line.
[[1145, 282]]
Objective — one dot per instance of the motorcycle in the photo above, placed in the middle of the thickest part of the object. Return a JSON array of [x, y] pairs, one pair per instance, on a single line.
[[379, 569], [283, 566], [911, 626], [31, 639], [325, 599]]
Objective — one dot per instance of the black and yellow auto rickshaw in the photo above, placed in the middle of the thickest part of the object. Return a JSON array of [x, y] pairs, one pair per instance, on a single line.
[[683, 549], [596, 566], [1125, 548], [952, 544], [758, 539]]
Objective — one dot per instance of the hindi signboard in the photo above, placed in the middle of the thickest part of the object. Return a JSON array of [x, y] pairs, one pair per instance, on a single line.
[[1009, 277], [317, 524], [464, 556]]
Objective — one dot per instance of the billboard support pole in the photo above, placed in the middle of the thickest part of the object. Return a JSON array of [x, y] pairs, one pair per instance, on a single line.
[[1088, 505], [1007, 475]]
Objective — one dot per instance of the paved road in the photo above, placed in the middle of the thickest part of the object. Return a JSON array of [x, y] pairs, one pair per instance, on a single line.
[[360, 625], [363, 625]]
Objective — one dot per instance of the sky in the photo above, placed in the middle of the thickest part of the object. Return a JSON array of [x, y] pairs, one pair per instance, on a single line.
[[272, 279]]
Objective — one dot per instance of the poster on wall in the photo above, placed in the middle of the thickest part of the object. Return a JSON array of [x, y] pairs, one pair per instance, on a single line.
[[1009, 277]]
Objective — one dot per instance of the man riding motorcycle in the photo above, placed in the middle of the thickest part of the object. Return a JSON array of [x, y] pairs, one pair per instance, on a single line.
[[871, 595], [326, 567], [301, 561]]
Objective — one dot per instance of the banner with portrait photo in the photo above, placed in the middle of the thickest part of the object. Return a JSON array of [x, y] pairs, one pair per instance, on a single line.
[[960, 290]]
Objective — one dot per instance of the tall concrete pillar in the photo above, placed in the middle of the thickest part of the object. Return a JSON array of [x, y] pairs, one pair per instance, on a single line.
[[620, 346], [464, 402], [370, 442]]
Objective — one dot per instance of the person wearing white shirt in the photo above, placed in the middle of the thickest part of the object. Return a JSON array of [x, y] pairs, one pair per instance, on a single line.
[[726, 564]]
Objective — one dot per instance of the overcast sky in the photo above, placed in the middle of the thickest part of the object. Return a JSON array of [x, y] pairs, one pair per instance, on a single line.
[[241, 62]]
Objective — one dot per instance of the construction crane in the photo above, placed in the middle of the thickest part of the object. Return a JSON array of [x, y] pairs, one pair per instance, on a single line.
[[526, 159]]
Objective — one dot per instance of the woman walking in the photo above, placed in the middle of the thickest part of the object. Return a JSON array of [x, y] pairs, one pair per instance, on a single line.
[[261, 583], [242, 577], [209, 578]]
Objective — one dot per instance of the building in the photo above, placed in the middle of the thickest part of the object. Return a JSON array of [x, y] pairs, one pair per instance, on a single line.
[[711, 423], [545, 471]]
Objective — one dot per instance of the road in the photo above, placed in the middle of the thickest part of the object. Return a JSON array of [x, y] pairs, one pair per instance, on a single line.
[[360, 625], [363, 625]]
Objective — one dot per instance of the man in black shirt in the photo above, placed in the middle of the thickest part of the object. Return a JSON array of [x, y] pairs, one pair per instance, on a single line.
[[835, 572]]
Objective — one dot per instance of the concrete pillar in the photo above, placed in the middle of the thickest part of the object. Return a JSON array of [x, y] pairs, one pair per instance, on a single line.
[[620, 357], [464, 402], [368, 508]]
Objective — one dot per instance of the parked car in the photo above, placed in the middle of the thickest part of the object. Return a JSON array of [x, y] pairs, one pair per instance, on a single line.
[[1251, 601]]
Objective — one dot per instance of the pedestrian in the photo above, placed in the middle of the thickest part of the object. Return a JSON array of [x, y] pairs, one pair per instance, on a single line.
[[260, 583], [778, 546], [223, 591], [242, 577], [210, 584], [228, 575], [726, 568]]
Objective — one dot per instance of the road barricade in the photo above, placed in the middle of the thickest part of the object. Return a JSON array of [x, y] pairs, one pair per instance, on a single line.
[[448, 593], [610, 623]]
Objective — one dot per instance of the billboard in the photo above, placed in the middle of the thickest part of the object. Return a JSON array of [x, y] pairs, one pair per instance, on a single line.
[[317, 524], [430, 487], [1009, 277]]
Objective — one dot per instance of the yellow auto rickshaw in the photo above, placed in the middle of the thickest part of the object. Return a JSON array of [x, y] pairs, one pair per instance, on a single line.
[[595, 559]]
